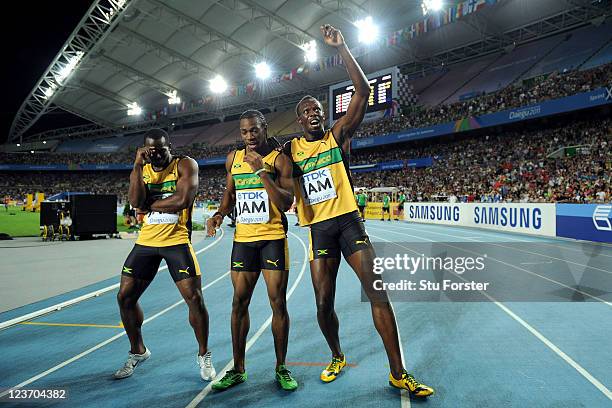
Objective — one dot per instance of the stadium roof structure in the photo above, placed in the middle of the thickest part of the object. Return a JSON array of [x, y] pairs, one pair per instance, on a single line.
[[143, 51]]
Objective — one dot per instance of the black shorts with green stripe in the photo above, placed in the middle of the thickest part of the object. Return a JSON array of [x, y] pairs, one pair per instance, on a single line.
[[257, 255], [345, 233], [143, 262]]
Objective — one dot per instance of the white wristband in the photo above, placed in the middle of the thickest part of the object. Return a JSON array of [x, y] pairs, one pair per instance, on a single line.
[[259, 171]]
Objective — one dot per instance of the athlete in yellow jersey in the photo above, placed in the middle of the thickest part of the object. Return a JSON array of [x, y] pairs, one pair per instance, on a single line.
[[259, 186], [325, 201], [164, 187]]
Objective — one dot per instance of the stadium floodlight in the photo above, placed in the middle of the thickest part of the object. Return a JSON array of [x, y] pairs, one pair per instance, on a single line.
[[134, 109], [368, 31], [18, 144], [69, 67], [218, 84], [44, 142], [431, 5], [173, 99], [262, 70], [32, 151], [50, 90], [310, 51]]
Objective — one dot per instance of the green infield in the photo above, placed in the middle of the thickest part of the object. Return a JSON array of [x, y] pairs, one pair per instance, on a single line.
[[18, 223]]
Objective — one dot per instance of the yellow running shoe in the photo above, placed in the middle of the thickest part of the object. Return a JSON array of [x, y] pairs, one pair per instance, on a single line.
[[408, 382], [333, 369]]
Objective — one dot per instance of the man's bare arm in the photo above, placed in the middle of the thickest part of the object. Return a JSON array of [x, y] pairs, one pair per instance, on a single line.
[[345, 127], [186, 189]]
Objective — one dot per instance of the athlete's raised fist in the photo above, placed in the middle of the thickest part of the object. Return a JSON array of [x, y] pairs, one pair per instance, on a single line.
[[332, 36]]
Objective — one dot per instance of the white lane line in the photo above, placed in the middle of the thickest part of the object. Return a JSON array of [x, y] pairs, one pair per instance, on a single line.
[[581, 370], [202, 394], [514, 249], [86, 296], [508, 264], [102, 344], [537, 263]]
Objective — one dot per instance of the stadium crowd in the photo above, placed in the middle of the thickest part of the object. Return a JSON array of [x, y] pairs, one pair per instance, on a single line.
[[510, 166], [534, 90]]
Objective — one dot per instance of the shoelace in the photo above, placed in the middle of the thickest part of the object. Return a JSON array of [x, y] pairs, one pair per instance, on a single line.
[[333, 366], [412, 381], [285, 374], [131, 361], [229, 375], [208, 360]]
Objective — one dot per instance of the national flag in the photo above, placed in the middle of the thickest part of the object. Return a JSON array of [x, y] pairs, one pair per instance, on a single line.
[[471, 6], [412, 31]]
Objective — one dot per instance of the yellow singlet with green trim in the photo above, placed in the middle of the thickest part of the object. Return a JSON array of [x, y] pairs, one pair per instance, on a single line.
[[164, 229], [257, 218], [323, 188]]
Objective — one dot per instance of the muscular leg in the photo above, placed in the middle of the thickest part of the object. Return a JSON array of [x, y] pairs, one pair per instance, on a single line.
[[276, 283], [130, 290], [323, 272], [244, 284], [191, 290], [362, 263]]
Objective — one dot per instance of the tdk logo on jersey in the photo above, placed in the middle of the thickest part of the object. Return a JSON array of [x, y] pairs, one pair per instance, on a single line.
[[601, 217], [251, 195], [315, 175]]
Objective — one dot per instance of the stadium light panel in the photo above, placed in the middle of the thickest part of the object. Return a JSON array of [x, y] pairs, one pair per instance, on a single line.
[[69, 67], [310, 51], [262, 70], [431, 5], [368, 31], [32, 151], [44, 142], [18, 144], [50, 90], [218, 84], [134, 109], [173, 99]]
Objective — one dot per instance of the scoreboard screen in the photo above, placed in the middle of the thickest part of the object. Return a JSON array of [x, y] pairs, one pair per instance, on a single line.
[[380, 96]]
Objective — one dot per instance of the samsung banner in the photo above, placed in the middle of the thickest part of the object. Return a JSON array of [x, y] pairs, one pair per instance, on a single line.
[[601, 96], [533, 219], [591, 222]]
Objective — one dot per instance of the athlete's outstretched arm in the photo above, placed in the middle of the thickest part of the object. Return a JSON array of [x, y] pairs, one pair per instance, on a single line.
[[186, 189], [280, 194], [344, 128], [228, 201], [137, 193]]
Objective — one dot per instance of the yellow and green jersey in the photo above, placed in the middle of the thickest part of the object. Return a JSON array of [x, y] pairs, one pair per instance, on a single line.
[[257, 218], [323, 187], [385, 202], [164, 229]]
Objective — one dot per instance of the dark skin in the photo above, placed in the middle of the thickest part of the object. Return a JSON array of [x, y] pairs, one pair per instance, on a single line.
[[325, 270], [157, 152], [280, 192]]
